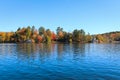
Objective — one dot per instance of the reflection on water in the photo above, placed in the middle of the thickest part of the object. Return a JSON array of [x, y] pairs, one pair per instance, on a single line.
[[46, 50], [60, 61]]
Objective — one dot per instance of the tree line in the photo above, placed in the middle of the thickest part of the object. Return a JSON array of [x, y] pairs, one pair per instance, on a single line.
[[110, 37], [43, 35]]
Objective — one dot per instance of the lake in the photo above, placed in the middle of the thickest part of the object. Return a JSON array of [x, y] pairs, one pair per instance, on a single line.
[[60, 61]]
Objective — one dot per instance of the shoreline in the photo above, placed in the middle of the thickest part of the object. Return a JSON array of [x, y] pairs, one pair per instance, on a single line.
[[57, 42]]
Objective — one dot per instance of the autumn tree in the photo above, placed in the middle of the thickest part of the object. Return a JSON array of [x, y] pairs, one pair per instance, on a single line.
[[69, 37], [38, 39], [28, 32], [7, 37], [60, 34], [48, 35], [117, 37], [53, 36], [32, 30], [100, 38], [88, 38], [2, 36], [79, 35], [41, 31]]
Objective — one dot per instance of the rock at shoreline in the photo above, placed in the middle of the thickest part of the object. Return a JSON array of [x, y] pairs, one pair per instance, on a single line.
[[29, 41]]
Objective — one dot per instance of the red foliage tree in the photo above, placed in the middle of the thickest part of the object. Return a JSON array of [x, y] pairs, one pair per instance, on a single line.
[[39, 39], [53, 36]]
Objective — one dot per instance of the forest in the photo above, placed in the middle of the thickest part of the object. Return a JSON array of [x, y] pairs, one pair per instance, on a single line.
[[42, 35]]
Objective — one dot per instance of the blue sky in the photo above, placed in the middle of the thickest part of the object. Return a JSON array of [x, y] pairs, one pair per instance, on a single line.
[[94, 16]]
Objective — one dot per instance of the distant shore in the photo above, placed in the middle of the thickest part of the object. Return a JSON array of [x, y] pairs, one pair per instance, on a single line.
[[42, 35]]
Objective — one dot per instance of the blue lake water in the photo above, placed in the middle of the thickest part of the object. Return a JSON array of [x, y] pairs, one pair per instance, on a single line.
[[59, 61]]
